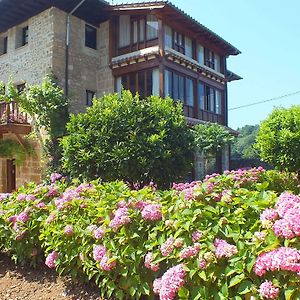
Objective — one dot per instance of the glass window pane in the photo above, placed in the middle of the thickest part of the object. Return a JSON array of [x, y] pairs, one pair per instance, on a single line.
[[135, 31], [200, 54], [142, 30], [201, 96], [218, 109], [168, 37], [168, 84], [141, 84], [189, 92], [149, 83], [152, 27], [132, 83], [181, 88], [175, 87], [124, 31], [90, 37], [188, 47], [217, 63]]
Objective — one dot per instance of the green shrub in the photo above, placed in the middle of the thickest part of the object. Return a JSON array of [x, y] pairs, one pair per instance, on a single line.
[[126, 138], [206, 235], [282, 181]]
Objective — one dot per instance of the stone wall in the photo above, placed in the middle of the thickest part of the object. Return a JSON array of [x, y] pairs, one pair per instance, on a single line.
[[88, 68], [29, 171], [31, 62]]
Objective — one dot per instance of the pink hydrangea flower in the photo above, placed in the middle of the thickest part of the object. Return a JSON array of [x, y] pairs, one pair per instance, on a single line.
[[269, 214], [121, 217], [69, 230], [106, 265], [149, 264], [167, 248], [152, 212], [223, 249], [98, 252], [261, 236], [189, 252], [55, 176], [202, 263], [12, 219], [4, 196], [40, 205], [196, 236], [98, 233], [268, 290], [169, 284], [23, 217], [283, 258], [21, 197], [51, 259]]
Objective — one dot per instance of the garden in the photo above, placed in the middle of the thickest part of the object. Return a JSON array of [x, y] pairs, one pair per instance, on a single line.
[[112, 216]]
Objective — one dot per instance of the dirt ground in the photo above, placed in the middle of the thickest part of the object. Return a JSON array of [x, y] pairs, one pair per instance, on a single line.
[[22, 283]]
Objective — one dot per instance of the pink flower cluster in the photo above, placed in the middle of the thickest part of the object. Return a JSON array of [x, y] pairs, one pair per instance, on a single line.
[[121, 218], [196, 236], [4, 196], [69, 230], [84, 187], [149, 264], [268, 290], [98, 233], [51, 259], [286, 216], [152, 212], [55, 176], [100, 254], [283, 258], [223, 249], [187, 189], [168, 285], [167, 247], [67, 197], [190, 251]]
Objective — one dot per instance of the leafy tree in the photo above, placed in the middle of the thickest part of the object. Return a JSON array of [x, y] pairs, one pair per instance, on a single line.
[[129, 138], [243, 146], [211, 138], [278, 139], [48, 110]]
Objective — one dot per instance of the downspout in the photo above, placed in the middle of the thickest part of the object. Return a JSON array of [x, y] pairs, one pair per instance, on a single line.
[[67, 46], [225, 95]]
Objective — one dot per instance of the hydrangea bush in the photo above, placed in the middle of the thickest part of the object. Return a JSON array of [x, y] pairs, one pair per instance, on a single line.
[[228, 237]]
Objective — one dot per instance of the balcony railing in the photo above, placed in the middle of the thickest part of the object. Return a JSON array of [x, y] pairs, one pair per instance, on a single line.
[[10, 114]]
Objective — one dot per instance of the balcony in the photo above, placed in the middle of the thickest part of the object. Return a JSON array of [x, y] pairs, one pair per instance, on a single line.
[[12, 119]]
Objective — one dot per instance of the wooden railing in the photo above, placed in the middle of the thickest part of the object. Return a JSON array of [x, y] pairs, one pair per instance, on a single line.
[[10, 114]]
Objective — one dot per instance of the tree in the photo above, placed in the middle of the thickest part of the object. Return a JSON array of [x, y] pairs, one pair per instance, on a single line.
[[130, 139], [211, 139], [243, 146], [278, 139]]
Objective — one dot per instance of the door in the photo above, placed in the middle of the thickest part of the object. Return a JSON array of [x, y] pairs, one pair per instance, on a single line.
[[11, 175]]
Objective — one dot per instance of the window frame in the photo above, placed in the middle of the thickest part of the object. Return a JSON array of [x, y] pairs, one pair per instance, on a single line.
[[90, 42], [88, 99], [25, 35]]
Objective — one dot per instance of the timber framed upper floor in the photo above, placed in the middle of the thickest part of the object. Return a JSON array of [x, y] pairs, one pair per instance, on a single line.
[[94, 48]]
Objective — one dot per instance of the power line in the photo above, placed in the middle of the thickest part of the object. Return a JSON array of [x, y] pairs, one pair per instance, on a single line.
[[264, 101]]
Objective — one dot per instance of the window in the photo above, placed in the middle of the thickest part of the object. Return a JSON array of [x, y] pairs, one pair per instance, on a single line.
[[209, 57], [89, 97], [145, 82], [179, 42], [20, 87], [200, 54], [136, 31], [124, 31], [188, 47], [24, 35], [209, 99], [168, 37], [90, 37], [179, 87], [152, 27], [3, 45]]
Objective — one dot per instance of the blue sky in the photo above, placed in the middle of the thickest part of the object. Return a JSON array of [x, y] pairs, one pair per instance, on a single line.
[[268, 34]]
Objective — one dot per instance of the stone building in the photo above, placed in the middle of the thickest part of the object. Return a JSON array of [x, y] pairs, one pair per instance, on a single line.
[[95, 48]]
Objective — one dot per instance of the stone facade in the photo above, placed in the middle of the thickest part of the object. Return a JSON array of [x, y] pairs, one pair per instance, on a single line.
[[45, 53]]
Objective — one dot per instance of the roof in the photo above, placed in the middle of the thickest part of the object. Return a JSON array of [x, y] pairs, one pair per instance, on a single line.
[[173, 11], [14, 12], [231, 76]]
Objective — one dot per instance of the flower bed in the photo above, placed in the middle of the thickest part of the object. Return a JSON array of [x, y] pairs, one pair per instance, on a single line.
[[227, 237]]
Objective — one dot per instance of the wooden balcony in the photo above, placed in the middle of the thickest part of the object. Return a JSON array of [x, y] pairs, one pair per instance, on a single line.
[[12, 119]]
